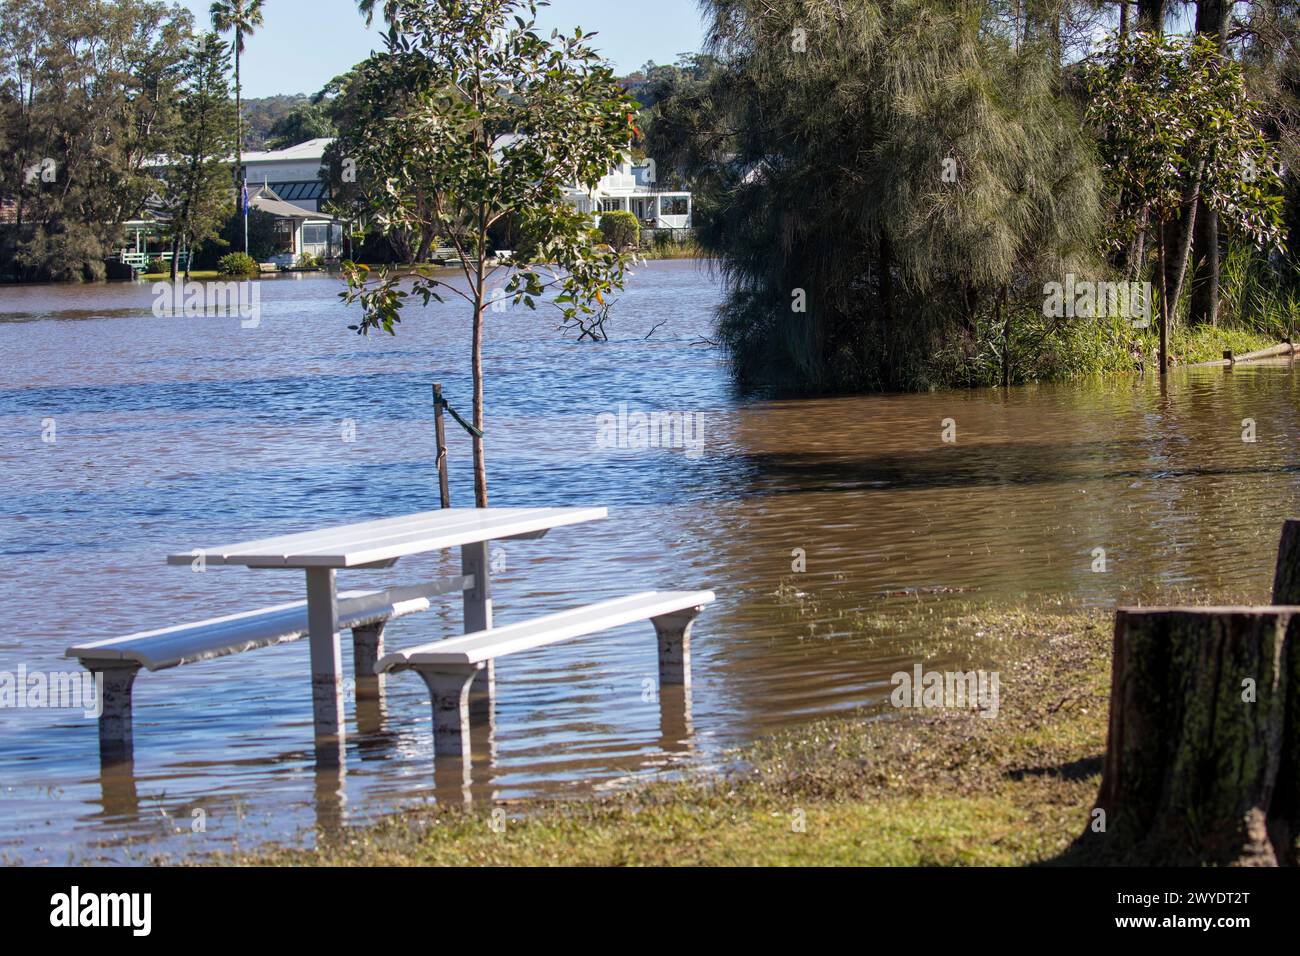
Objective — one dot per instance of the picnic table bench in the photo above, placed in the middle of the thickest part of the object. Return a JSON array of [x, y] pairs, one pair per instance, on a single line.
[[371, 545], [449, 667], [120, 659]]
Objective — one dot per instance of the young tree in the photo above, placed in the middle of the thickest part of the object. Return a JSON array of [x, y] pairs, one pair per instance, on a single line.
[[1176, 127], [489, 121], [244, 17], [198, 194]]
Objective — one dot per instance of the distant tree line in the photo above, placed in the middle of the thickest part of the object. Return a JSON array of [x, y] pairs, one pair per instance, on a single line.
[[266, 119], [108, 110], [113, 111]]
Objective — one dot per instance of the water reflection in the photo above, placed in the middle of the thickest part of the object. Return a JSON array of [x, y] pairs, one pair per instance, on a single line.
[[197, 430]]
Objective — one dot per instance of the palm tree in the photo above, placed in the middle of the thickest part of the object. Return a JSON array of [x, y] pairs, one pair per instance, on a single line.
[[244, 17]]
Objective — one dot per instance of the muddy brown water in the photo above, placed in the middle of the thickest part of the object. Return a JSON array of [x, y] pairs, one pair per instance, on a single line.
[[171, 434]]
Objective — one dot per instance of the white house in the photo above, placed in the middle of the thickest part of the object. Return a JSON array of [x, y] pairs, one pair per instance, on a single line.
[[293, 174], [299, 231], [630, 188]]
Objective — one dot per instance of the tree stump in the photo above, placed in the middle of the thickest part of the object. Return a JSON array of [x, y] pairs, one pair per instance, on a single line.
[[1202, 761], [1286, 579]]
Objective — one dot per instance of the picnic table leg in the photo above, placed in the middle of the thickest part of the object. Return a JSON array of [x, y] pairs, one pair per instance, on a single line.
[[115, 722], [326, 666], [367, 648], [674, 632], [449, 689], [478, 613]]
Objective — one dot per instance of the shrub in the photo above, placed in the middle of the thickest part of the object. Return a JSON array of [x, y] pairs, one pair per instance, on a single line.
[[155, 267], [263, 238], [620, 229], [114, 269], [238, 264]]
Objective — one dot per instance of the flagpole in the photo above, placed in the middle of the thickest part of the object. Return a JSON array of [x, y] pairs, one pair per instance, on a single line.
[[245, 205]]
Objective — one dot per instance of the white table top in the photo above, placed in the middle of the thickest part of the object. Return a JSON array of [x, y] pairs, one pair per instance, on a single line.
[[372, 542]]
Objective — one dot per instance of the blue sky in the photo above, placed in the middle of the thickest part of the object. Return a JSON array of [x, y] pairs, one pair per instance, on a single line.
[[305, 43]]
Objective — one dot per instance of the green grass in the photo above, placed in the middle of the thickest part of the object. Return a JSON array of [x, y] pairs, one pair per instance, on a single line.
[[166, 276], [935, 788], [1207, 343], [673, 250]]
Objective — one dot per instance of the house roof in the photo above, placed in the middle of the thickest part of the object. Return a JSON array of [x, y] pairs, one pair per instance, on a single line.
[[265, 199], [312, 149]]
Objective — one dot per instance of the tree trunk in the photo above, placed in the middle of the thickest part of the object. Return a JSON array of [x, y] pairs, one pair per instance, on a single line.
[[1138, 248], [1164, 300], [176, 245], [1286, 579], [1201, 757], [1212, 18], [480, 310], [239, 140], [1190, 199], [1151, 16], [1203, 305], [424, 250], [480, 466]]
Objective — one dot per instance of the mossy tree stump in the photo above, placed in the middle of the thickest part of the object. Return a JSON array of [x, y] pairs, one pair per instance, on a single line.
[[1202, 762]]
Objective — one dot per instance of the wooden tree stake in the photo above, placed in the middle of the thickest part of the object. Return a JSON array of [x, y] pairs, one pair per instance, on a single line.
[[444, 487]]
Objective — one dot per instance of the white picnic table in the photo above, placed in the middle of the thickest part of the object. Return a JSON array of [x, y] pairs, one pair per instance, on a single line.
[[380, 544]]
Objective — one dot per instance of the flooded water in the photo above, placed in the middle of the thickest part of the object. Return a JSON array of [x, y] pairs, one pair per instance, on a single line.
[[124, 437]]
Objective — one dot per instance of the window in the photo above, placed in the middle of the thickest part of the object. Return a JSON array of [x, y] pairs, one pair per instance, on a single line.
[[315, 238], [676, 206], [283, 236], [300, 191]]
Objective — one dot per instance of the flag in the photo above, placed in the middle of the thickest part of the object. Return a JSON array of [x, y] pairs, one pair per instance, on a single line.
[[245, 197]]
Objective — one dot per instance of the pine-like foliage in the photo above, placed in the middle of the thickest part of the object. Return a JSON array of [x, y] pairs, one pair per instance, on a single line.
[[198, 196], [901, 171]]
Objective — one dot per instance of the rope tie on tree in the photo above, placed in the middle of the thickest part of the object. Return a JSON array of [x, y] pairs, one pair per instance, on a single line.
[[477, 433]]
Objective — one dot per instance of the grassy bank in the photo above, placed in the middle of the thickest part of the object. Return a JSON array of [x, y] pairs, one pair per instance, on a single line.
[[917, 788], [672, 250], [197, 274], [1207, 343]]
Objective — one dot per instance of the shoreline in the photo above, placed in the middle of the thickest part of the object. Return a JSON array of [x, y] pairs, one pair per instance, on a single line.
[[920, 788]]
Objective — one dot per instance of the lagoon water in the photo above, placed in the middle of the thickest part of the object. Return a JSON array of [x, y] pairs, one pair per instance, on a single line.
[[178, 433]]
